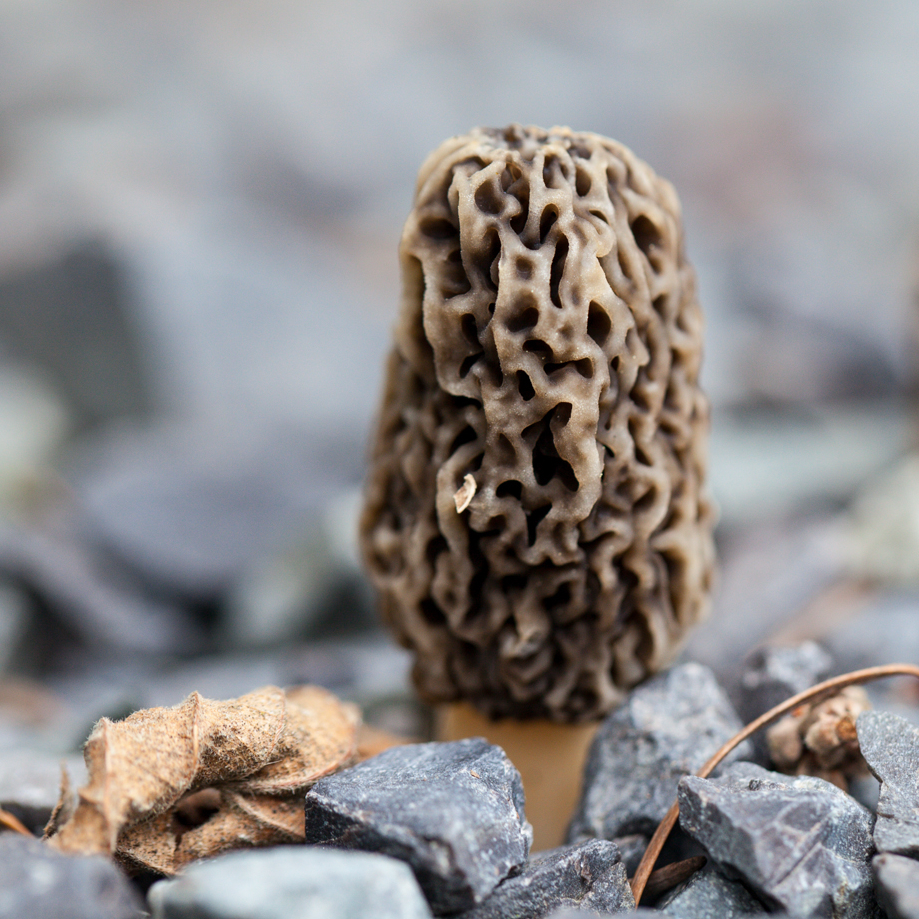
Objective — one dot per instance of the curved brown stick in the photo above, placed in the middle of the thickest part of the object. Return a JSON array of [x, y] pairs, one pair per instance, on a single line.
[[821, 690]]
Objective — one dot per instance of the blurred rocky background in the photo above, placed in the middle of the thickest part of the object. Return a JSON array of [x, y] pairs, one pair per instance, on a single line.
[[200, 206]]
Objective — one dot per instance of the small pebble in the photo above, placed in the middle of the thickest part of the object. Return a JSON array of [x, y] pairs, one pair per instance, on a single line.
[[708, 894], [293, 882], [772, 675], [897, 885], [39, 883], [587, 876]]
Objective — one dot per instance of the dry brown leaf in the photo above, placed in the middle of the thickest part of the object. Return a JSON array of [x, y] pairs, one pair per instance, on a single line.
[[66, 804], [819, 738], [245, 820], [254, 755]]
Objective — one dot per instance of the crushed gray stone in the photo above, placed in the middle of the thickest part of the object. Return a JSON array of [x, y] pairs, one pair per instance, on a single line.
[[37, 882], [453, 811], [708, 894], [772, 675], [665, 729], [801, 844], [587, 876], [897, 880], [890, 746], [293, 882]]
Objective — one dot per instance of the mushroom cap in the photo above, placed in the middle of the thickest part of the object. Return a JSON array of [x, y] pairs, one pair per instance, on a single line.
[[548, 347]]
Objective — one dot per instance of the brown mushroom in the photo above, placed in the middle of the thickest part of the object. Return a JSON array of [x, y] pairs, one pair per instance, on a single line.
[[536, 523]]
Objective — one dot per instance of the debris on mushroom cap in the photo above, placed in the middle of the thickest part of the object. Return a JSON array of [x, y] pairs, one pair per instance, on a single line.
[[548, 345], [465, 493]]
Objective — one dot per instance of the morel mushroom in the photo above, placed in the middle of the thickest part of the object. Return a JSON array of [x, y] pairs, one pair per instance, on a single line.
[[536, 524]]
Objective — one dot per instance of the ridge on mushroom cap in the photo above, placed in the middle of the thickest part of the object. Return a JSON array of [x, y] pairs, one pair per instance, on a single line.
[[548, 344]]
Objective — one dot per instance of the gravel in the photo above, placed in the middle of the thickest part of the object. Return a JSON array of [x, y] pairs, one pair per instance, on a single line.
[[587, 876], [39, 883], [666, 728], [453, 811], [801, 844], [890, 746], [293, 883]]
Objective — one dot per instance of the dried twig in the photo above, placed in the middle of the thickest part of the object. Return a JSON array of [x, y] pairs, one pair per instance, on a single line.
[[820, 691], [669, 876], [12, 823]]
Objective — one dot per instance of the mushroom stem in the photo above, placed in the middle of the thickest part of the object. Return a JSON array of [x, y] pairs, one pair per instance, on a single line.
[[549, 756]]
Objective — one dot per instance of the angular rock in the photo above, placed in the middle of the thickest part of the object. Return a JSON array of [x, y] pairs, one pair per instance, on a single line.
[[453, 811], [294, 882], [708, 894], [16, 609], [772, 675], [575, 912], [890, 746], [632, 848], [667, 728], [897, 880], [97, 361], [801, 844], [85, 600], [587, 876], [39, 883], [187, 509]]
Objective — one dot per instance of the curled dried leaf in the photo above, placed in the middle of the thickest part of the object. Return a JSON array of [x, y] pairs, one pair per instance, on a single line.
[[819, 738], [66, 804], [145, 801]]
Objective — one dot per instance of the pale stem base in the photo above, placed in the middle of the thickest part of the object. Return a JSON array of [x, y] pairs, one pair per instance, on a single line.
[[549, 756]]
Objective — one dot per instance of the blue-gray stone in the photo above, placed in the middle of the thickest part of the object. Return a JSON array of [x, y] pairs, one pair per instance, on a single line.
[[291, 882], [772, 675], [632, 848], [708, 894], [801, 844], [453, 811], [587, 876], [897, 880], [578, 912], [37, 882], [890, 746], [665, 729]]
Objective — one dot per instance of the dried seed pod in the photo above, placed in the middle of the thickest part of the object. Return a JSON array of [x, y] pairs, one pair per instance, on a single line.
[[548, 346], [820, 738]]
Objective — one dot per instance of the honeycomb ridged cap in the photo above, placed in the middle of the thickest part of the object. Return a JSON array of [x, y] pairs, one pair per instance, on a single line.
[[536, 523]]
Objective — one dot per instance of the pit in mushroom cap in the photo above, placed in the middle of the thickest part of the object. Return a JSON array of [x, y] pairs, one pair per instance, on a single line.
[[548, 345]]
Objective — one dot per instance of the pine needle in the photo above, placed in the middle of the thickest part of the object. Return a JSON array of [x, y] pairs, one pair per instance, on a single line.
[[12, 823]]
